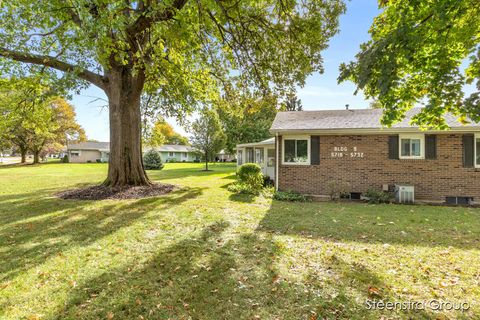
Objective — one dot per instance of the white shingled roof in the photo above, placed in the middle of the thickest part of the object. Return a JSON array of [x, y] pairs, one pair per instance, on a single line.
[[347, 119], [175, 148], [105, 146], [89, 145], [270, 141]]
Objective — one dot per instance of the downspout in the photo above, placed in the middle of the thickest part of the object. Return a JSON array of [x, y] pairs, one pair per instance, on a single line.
[[277, 176]]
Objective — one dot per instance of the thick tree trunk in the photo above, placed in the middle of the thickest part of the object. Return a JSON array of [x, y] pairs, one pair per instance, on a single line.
[[36, 157], [23, 154], [125, 163]]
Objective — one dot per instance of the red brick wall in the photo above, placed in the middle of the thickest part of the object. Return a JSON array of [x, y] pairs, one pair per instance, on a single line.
[[433, 179]]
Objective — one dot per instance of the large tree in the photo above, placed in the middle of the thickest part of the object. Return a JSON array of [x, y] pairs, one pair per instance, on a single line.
[[292, 103], [161, 132], [246, 117], [180, 50], [207, 135], [34, 117], [421, 52], [54, 125]]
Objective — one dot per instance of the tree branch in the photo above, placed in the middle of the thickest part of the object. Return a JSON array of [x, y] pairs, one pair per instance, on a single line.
[[52, 62], [147, 19]]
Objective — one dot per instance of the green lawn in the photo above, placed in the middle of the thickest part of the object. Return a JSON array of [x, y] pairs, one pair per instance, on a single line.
[[203, 253]]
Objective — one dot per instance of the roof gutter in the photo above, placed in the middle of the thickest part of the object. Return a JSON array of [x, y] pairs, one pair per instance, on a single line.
[[362, 131]]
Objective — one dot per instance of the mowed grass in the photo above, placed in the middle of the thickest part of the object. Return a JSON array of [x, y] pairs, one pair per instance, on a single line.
[[203, 253]]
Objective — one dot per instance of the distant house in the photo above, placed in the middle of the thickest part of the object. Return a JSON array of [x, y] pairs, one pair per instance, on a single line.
[[177, 153], [224, 156], [88, 152], [100, 152]]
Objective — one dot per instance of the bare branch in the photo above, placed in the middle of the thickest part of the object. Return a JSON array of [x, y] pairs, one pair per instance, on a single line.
[[52, 62]]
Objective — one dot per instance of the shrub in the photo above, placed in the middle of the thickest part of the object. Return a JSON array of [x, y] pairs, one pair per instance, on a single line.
[[377, 196], [336, 189], [289, 196], [267, 182], [251, 175], [65, 159], [152, 160]]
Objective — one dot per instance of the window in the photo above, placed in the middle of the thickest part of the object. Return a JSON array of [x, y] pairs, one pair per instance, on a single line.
[[259, 156], [296, 150], [171, 154], [249, 155], [477, 151], [270, 157], [412, 146], [239, 157], [74, 153], [184, 155]]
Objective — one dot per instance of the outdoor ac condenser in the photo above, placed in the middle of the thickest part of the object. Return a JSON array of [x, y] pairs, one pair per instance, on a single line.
[[405, 194]]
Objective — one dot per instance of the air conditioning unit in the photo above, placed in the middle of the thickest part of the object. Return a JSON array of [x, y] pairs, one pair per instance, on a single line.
[[405, 194]]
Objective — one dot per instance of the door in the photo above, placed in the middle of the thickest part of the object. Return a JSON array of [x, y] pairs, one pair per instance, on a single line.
[[271, 163]]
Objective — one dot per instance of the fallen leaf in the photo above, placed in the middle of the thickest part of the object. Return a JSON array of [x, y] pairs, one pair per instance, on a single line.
[[373, 291]]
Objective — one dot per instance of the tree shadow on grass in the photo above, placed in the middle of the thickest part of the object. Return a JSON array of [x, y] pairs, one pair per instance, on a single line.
[[408, 225], [209, 276], [242, 197], [194, 171], [46, 226]]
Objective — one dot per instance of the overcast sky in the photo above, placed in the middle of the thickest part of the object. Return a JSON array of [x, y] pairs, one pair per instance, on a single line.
[[320, 92]]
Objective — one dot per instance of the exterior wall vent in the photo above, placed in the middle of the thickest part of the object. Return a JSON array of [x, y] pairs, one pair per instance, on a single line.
[[405, 194]]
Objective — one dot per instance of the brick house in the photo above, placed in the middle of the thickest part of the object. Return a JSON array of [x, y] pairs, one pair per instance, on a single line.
[[313, 148]]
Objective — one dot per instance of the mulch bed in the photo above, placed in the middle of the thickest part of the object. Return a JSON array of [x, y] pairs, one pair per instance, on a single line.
[[100, 192]]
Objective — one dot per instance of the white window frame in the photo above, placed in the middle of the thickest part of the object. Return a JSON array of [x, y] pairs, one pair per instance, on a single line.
[[184, 156], [412, 136], [240, 156], [475, 137], [171, 154], [307, 163], [77, 153]]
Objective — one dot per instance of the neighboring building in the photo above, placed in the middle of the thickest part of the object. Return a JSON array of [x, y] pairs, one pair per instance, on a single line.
[[224, 156], [177, 153], [88, 152], [100, 152], [316, 148], [262, 152]]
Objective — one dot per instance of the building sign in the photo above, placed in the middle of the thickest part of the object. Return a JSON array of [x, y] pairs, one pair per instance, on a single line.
[[345, 152]]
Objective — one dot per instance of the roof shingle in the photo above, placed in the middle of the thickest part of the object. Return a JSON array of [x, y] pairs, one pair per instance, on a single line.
[[345, 119]]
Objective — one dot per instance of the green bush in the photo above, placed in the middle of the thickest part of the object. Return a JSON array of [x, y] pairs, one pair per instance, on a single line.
[[289, 196], [377, 196], [65, 159], [250, 174], [267, 182], [152, 160]]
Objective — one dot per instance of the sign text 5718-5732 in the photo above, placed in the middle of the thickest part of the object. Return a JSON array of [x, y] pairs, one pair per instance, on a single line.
[[346, 152]]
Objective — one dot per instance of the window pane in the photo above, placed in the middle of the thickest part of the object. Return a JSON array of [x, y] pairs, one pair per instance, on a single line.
[[477, 148], [415, 147], [289, 151], [302, 152], [270, 157], [405, 147], [259, 156]]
